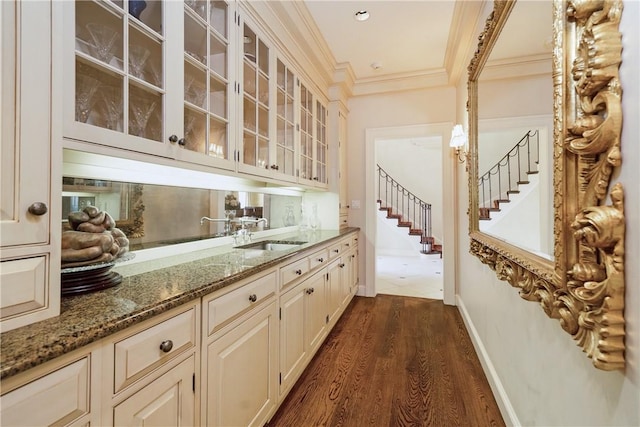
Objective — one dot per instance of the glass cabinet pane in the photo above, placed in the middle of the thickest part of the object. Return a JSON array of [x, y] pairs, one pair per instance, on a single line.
[[119, 79]]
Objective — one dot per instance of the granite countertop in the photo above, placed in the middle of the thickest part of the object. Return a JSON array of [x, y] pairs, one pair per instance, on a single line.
[[87, 318]]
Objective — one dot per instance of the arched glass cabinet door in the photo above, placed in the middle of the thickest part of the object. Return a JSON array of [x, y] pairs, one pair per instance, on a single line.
[[118, 74]]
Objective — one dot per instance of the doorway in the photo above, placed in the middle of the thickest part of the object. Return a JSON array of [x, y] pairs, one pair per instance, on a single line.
[[440, 132]]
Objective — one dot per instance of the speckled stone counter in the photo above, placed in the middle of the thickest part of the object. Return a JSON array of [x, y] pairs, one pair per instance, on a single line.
[[88, 318]]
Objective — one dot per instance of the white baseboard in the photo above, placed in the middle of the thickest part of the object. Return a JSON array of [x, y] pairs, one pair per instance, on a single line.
[[506, 409]]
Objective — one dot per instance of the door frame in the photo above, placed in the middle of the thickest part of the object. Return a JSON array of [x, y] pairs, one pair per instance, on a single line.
[[443, 130]]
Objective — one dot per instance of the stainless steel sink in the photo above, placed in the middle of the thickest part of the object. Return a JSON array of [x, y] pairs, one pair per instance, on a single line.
[[272, 245]]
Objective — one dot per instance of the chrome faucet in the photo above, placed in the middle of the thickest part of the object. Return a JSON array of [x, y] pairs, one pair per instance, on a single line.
[[206, 218], [254, 221]]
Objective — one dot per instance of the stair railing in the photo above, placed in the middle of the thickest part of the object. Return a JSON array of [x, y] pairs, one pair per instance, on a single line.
[[407, 205], [503, 178]]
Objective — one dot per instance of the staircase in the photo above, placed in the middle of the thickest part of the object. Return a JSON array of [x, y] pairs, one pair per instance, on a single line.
[[505, 177], [408, 210]]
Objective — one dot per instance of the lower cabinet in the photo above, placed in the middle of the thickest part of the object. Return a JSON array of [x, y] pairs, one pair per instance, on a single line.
[[226, 360], [303, 325], [59, 397], [167, 401], [241, 388]]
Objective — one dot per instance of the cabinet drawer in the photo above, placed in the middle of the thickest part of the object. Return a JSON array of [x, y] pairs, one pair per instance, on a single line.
[[229, 306], [23, 286], [57, 398], [292, 271], [335, 250], [318, 258], [136, 355]]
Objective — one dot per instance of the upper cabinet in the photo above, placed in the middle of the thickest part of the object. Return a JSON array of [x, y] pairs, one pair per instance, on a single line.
[[195, 81], [30, 163], [255, 104]]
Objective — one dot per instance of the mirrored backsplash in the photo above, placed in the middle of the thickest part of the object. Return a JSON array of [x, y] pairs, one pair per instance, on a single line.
[[159, 215]]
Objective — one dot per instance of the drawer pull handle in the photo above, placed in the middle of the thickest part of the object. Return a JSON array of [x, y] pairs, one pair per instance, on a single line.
[[38, 208], [347, 244], [336, 250], [166, 346], [310, 291], [320, 259], [253, 298], [341, 265], [298, 272]]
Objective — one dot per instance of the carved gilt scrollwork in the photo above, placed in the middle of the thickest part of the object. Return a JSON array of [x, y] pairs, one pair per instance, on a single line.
[[585, 288]]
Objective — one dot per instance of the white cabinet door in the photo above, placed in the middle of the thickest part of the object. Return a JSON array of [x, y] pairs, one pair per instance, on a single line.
[[25, 129], [29, 246], [293, 348], [167, 401], [316, 311], [121, 88], [242, 375], [254, 105], [335, 288]]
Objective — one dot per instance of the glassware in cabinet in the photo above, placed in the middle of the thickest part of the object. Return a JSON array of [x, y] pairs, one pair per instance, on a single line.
[[118, 72]]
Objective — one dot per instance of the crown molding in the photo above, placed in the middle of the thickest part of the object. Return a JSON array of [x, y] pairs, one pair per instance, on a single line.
[[523, 66], [401, 82], [462, 38]]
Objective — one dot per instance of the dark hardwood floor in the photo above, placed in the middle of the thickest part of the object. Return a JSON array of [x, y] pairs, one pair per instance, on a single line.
[[393, 361]]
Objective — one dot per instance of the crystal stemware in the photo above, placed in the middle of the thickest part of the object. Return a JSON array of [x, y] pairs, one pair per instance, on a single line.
[[138, 56], [141, 109], [86, 87], [111, 106], [104, 41]]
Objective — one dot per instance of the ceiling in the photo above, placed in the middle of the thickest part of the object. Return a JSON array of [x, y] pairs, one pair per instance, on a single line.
[[406, 39], [419, 43]]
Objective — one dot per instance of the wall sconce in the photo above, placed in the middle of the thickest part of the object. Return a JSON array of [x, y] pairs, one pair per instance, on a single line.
[[459, 142]]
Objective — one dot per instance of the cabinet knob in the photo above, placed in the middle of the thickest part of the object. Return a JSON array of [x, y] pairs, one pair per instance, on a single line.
[[336, 250], [298, 272], [275, 167], [182, 142], [320, 259], [341, 265], [38, 208], [253, 298], [173, 139], [310, 291], [166, 346]]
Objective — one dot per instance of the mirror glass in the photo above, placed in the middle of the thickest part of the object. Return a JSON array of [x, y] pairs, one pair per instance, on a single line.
[[515, 132], [159, 215]]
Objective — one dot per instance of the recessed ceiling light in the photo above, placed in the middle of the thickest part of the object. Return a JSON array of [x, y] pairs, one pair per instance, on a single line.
[[361, 15]]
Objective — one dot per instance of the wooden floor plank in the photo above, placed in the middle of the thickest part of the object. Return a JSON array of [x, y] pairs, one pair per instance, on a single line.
[[393, 361]]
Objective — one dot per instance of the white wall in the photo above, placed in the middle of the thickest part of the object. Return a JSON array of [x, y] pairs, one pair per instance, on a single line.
[[539, 374]]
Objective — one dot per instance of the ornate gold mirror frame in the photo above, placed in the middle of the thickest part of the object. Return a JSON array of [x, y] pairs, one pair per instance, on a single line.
[[583, 287]]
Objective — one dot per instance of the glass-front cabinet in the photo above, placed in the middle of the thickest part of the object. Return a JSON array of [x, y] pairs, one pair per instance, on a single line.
[[285, 144], [254, 156], [197, 81], [116, 78], [207, 83]]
